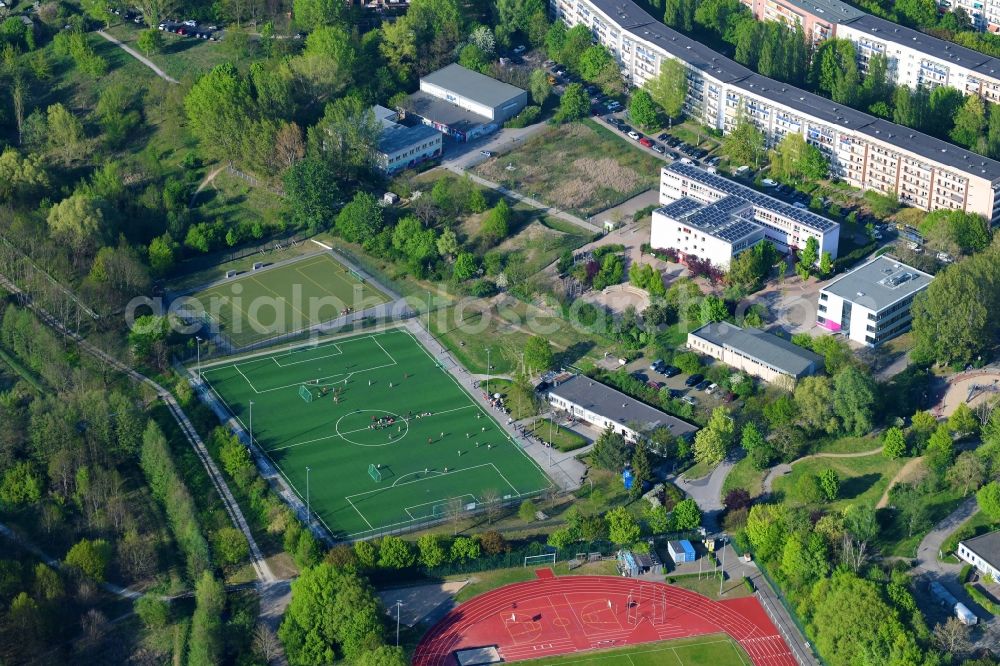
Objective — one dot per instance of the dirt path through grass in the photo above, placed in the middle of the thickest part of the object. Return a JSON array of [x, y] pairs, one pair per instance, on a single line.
[[904, 474], [138, 56]]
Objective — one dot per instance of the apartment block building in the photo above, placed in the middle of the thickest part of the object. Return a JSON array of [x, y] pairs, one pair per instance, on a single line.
[[713, 218], [819, 18], [755, 352], [871, 304], [985, 14], [864, 151]]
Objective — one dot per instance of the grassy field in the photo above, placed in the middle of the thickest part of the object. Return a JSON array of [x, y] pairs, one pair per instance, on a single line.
[[862, 480], [717, 650], [743, 475], [484, 581], [200, 270], [326, 413], [580, 167], [181, 57], [560, 437], [504, 326], [286, 298]]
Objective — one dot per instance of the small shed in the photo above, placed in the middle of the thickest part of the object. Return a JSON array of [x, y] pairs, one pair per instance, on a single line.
[[390, 199], [681, 551]]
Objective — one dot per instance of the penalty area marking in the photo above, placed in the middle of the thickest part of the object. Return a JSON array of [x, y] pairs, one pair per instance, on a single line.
[[448, 473], [439, 502]]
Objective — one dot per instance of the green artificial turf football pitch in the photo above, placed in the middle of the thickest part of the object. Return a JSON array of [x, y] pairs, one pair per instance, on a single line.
[[714, 650], [286, 298], [339, 407]]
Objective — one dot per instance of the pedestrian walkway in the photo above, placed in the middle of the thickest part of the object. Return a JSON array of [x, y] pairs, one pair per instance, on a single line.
[[135, 54]]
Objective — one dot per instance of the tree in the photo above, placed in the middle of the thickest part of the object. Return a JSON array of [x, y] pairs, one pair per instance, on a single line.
[[610, 451], [153, 611], [814, 402], [574, 104], [642, 110], [311, 14], [713, 441], [265, 643], [829, 482], [20, 486], [952, 637], [623, 529], [745, 144], [642, 469], [825, 264], [538, 355], [713, 309], [464, 549], [669, 88], [687, 515], [395, 553], [432, 550], [854, 400], [962, 421], [766, 529], [360, 219], [493, 543], [496, 226], [940, 450], [797, 161], [150, 41], [526, 511], [988, 499], [539, 86], [465, 266], [894, 443], [311, 193], [333, 614], [736, 499], [218, 110], [91, 558], [231, 545], [970, 123], [968, 472]]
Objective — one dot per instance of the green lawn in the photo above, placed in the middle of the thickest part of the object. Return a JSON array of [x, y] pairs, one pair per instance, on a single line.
[[322, 413], [560, 437], [862, 480], [744, 475], [181, 57], [284, 299], [580, 167], [713, 649], [484, 581]]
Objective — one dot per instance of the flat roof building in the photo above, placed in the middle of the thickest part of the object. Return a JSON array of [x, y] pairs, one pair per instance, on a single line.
[[866, 152], [982, 552], [871, 304], [402, 147], [755, 352], [714, 218], [464, 104], [819, 18], [604, 407]]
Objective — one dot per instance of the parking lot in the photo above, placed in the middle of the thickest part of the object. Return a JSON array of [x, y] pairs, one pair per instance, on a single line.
[[678, 383]]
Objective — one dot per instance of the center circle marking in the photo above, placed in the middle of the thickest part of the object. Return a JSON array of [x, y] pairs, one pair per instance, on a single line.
[[397, 417]]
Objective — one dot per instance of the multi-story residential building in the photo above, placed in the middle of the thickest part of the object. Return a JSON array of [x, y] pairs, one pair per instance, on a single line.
[[819, 18], [984, 14], [714, 218], [864, 151], [755, 352], [916, 59], [871, 304], [401, 146]]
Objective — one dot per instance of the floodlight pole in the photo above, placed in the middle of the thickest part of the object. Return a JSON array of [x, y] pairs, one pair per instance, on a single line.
[[251, 422], [399, 602], [198, 347], [488, 366], [723, 576], [308, 505]]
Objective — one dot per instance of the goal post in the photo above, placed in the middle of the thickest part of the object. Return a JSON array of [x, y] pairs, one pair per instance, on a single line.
[[546, 558], [374, 472], [305, 393]]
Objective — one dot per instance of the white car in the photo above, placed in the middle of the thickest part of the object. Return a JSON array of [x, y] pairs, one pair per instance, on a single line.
[[486, 153], [614, 105], [944, 257], [633, 135], [686, 160], [190, 23], [519, 49], [690, 399], [712, 389], [768, 182]]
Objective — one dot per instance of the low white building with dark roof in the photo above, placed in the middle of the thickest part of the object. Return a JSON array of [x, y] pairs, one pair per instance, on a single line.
[[464, 104], [402, 147], [604, 407], [982, 552], [871, 304], [755, 352]]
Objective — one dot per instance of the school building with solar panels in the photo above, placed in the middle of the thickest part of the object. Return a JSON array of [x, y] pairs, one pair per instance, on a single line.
[[713, 218]]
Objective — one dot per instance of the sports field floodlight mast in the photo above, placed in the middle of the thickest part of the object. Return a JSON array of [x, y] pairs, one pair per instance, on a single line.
[[488, 368], [399, 602], [251, 422], [725, 539], [198, 347], [308, 505]]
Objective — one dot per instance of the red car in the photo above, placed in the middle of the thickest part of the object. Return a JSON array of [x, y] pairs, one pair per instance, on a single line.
[[645, 142]]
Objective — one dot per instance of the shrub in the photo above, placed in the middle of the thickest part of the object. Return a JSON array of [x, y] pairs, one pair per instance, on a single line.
[[747, 583], [527, 116]]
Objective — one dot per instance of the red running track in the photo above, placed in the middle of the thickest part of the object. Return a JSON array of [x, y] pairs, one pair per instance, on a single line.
[[552, 616]]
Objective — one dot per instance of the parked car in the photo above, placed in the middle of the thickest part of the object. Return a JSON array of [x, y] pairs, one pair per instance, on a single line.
[[663, 136], [646, 142], [519, 49], [742, 170], [657, 365], [623, 128], [656, 386], [635, 136], [712, 389], [614, 105], [670, 371], [674, 156], [690, 399], [659, 149], [729, 397], [611, 120], [702, 385], [694, 379], [487, 153], [944, 257], [769, 182]]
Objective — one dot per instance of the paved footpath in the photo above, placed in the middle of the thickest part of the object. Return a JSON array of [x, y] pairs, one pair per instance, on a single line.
[[138, 56]]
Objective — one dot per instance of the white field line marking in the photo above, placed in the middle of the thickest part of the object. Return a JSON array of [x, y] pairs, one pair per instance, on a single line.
[[359, 513], [407, 483], [351, 432], [338, 352], [322, 245], [246, 379], [434, 502]]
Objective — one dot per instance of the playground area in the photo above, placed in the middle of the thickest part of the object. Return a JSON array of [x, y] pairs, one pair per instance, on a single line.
[[372, 433], [286, 298], [567, 620], [974, 388]]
